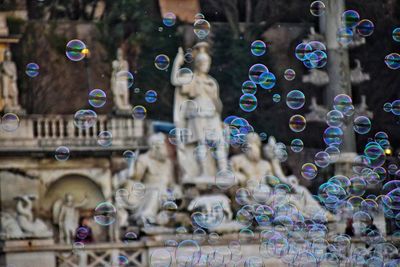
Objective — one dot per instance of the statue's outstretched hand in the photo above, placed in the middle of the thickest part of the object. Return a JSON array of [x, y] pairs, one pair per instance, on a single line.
[[180, 57]]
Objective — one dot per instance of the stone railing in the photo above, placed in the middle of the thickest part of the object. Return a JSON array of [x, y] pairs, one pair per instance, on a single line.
[[46, 132]]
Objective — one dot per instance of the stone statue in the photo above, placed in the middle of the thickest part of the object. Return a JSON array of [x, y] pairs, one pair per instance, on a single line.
[[66, 216], [317, 112], [250, 164], [202, 118], [357, 75], [362, 108], [316, 77], [9, 89], [120, 83], [155, 170], [24, 224]]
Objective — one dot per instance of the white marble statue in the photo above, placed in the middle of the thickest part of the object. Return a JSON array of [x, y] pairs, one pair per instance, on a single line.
[[120, 83], [8, 84], [317, 112], [155, 170], [66, 216], [250, 164], [201, 118]]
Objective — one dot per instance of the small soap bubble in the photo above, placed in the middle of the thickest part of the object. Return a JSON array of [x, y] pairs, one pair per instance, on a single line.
[[248, 102], [161, 62], [362, 125], [350, 18], [124, 78], [150, 96], [32, 70], [9, 122], [317, 8], [85, 118], [267, 80], [296, 145], [225, 179], [309, 171], [396, 34], [184, 76], [139, 112], [130, 237], [76, 50], [258, 48], [365, 28], [249, 87], [297, 123], [256, 71], [62, 153], [289, 74], [295, 99], [393, 61], [201, 28], [97, 98], [104, 139], [276, 98], [169, 19], [105, 214]]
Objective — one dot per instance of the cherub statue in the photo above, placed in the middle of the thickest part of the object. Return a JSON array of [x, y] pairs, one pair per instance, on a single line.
[[66, 216]]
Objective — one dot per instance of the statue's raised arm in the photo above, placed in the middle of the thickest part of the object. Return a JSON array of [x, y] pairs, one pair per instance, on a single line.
[[178, 62]]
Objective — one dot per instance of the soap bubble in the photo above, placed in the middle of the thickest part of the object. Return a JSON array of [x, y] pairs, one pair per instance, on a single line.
[[150, 96], [82, 233], [209, 218], [387, 107], [296, 145], [395, 107], [225, 179], [201, 28], [393, 61], [289, 74], [105, 214], [32, 70], [267, 80], [322, 159], [333, 136], [9, 122], [343, 103], [76, 50], [249, 87], [160, 258], [362, 125], [396, 34], [169, 19], [256, 71], [85, 118], [309, 171], [187, 253], [97, 98], [295, 99], [248, 102], [124, 78], [139, 112], [122, 260], [345, 36], [130, 237], [129, 156], [350, 18], [334, 118], [188, 57], [184, 76], [317, 8], [258, 48], [161, 62], [61, 153], [104, 138], [276, 98], [365, 28], [303, 51], [297, 123], [334, 153]]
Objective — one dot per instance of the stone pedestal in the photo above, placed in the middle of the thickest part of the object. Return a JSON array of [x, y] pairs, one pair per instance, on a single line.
[[345, 163], [25, 253]]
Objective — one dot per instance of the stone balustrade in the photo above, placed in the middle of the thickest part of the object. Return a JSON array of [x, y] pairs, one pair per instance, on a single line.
[[46, 132]]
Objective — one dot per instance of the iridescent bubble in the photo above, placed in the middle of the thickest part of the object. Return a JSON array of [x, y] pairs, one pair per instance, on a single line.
[[104, 138], [345, 36], [201, 28], [350, 18], [122, 260], [258, 48], [248, 102], [276, 98], [343, 103], [169, 19], [76, 50], [184, 76], [267, 80], [362, 125], [317, 8], [334, 118], [139, 112], [289, 74], [199, 16], [296, 145], [85, 118], [125, 78], [334, 153], [309, 171], [77, 247], [302, 51], [256, 71], [188, 57], [225, 179], [187, 253], [396, 34], [263, 136], [105, 214], [82, 233], [160, 258], [295, 99], [333, 136], [249, 87], [395, 107], [209, 218], [393, 61], [357, 186], [130, 237], [297, 123], [32, 70], [150, 96], [129, 156], [387, 107], [9, 122], [317, 59], [242, 196], [62, 153], [161, 62], [97, 98], [365, 28], [322, 159]]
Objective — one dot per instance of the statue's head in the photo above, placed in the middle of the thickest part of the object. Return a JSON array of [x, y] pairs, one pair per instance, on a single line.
[[120, 54], [7, 55], [158, 148], [202, 60], [69, 199], [253, 148]]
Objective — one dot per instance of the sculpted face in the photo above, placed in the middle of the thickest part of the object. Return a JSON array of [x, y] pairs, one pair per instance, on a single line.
[[119, 54], [159, 150], [253, 151], [69, 199], [7, 55], [203, 63]]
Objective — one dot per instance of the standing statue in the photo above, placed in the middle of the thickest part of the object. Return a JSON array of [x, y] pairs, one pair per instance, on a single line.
[[250, 165], [120, 82], [9, 89], [66, 216], [155, 170], [197, 108]]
